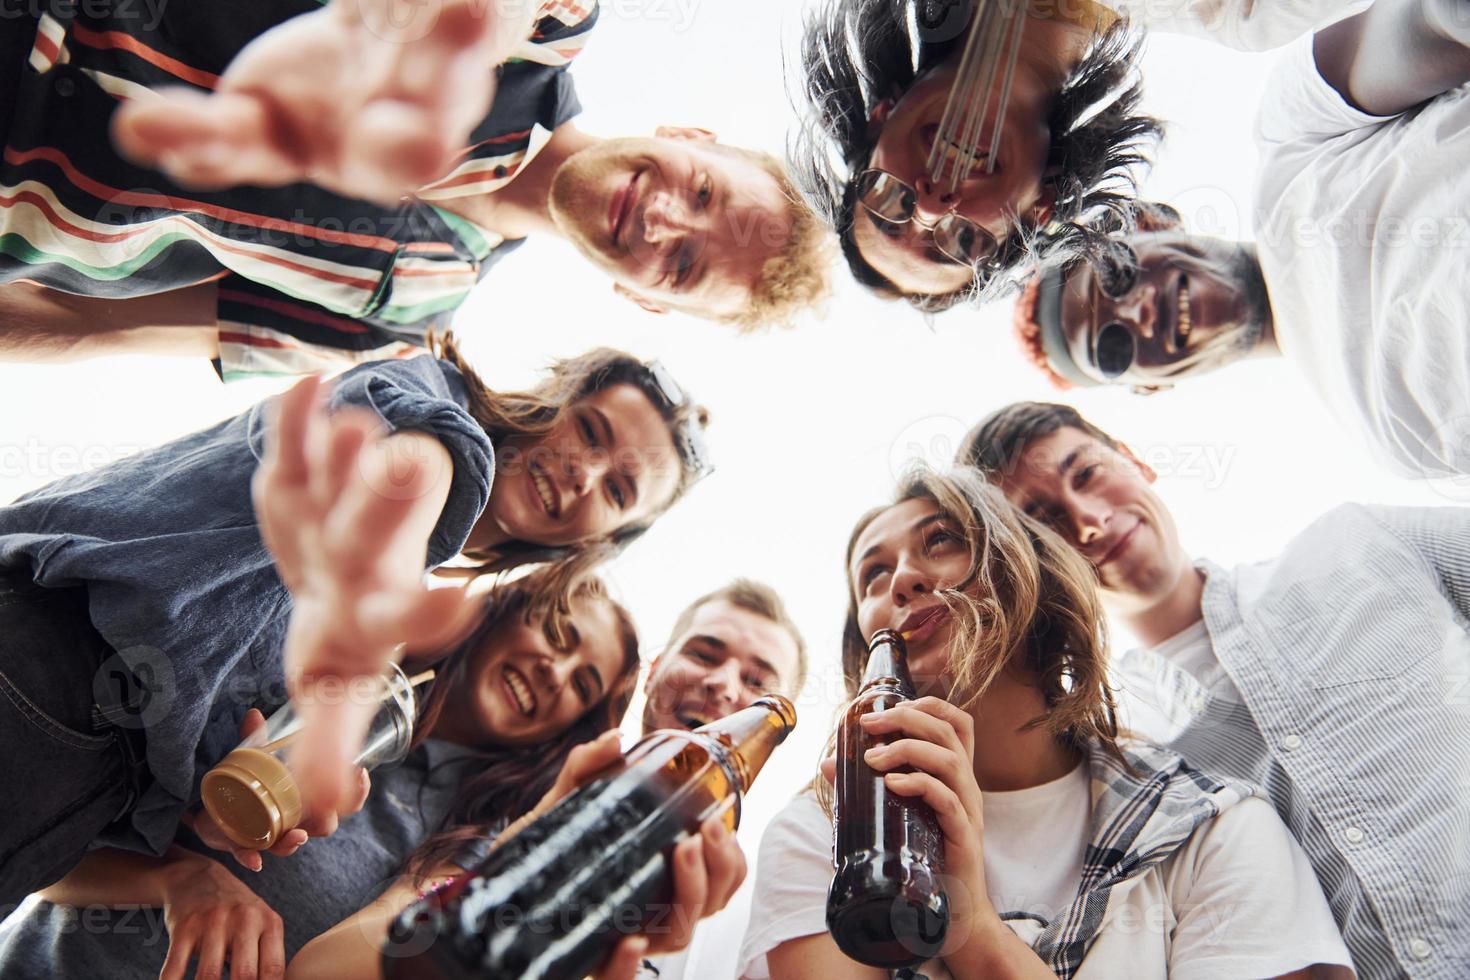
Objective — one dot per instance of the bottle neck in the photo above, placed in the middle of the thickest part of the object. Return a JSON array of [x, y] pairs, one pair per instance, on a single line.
[[748, 737], [888, 662]]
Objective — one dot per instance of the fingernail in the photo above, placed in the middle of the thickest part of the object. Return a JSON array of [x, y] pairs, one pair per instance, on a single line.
[[875, 754], [717, 831]]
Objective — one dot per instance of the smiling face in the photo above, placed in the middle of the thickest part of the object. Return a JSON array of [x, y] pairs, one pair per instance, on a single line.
[[1196, 304], [677, 221], [609, 463], [900, 563], [726, 658], [1100, 501], [1012, 192], [519, 689]]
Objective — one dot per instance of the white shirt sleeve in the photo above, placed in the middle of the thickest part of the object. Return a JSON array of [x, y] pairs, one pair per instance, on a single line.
[[792, 874], [1246, 903], [1246, 25]]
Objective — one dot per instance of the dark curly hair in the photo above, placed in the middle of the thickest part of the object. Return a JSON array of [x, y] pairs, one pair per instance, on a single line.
[[855, 53]]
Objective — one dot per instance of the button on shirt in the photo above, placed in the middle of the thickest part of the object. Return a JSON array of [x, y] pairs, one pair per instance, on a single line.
[[303, 274], [1335, 678]]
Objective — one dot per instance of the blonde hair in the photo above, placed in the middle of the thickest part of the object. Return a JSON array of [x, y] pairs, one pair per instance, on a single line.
[[796, 278]]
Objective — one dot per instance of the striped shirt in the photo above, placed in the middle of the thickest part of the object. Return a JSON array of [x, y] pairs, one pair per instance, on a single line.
[[301, 272], [1340, 685]]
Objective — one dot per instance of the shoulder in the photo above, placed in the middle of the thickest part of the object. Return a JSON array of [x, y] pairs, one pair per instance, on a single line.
[[800, 826]]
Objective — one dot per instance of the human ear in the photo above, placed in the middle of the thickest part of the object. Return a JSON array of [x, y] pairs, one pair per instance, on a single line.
[[1149, 475], [878, 115], [684, 133], [1152, 216], [1040, 212], [638, 298]]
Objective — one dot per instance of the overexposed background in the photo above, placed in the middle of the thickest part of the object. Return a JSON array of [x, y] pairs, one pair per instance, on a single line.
[[810, 426]]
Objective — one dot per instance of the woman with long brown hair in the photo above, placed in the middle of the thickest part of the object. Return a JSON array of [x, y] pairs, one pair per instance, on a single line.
[[504, 712], [144, 606], [1070, 849]]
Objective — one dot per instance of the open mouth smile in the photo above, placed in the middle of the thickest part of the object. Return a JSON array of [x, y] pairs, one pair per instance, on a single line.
[[519, 691], [549, 497], [1185, 324]]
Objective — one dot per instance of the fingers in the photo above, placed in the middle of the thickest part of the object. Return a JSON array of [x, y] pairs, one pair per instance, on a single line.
[[344, 436], [724, 862], [273, 949], [335, 723], [245, 952], [828, 768], [211, 964], [206, 140], [285, 451], [364, 787], [180, 949], [291, 842], [691, 891], [584, 762], [954, 819], [626, 958], [434, 618], [921, 719], [937, 760]]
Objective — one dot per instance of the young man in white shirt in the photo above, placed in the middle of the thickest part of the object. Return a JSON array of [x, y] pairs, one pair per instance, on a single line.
[[1325, 676], [1357, 271], [727, 649]]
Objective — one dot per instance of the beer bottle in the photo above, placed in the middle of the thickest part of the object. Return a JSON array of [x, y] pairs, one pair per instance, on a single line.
[[886, 906], [552, 902]]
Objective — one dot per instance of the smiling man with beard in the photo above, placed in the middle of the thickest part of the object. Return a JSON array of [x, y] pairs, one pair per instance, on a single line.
[[1319, 675], [183, 185], [1357, 274]]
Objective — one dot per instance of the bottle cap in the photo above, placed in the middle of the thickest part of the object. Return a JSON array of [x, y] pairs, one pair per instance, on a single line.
[[253, 798]]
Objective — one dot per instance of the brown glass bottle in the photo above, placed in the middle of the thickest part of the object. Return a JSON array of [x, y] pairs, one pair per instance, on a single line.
[[886, 906], [552, 902]]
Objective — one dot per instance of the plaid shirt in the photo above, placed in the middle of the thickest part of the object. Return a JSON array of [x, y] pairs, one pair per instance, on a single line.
[[1348, 705], [300, 271]]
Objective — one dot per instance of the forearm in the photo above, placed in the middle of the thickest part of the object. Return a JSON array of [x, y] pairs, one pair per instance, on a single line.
[[44, 324], [112, 878], [994, 952], [1397, 53], [353, 948]]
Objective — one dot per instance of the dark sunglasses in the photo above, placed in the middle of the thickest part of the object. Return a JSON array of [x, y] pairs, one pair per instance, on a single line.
[[1115, 347], [886, 197]]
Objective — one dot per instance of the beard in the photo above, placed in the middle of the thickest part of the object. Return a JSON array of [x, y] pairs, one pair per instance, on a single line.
[[1245, 270]]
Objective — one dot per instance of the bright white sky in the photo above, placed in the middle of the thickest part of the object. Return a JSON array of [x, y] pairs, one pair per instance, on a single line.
[[810, 426]]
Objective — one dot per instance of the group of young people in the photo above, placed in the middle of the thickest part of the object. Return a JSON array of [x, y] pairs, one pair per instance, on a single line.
[[295, 187]]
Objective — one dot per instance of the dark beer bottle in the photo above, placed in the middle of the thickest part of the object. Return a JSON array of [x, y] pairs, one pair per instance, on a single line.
[[886, 906], [551, 903]]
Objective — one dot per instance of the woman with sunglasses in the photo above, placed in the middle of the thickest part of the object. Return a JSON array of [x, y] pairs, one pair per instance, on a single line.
[[1069, 850], [937, 205], [143, 614]]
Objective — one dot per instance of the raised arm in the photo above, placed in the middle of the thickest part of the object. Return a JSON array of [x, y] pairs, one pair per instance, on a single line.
[[1397, 53], [346, 510], [369, 98]]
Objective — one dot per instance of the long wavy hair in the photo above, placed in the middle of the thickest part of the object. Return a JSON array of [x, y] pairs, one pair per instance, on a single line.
[[1027, 600], [857, 53], [500, 783], [510, 416]]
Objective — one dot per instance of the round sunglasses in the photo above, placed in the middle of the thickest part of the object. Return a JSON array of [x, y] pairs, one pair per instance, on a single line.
[[1115, 347], [892, 200]]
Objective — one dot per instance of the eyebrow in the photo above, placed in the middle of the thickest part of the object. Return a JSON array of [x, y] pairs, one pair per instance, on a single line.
[[1069, 461], [607, 434], [918, 525], [713, 641]]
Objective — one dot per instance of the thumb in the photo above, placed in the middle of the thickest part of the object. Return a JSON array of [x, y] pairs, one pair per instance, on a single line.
[[829, 769], [623, 964], [251, 723], [584, 762]]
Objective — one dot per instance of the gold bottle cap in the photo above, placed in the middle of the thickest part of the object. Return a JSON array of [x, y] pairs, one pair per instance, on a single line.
[[253, 798]]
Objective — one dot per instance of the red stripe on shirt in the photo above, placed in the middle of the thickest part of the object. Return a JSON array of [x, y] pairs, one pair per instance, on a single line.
[[293, 311], [102, 192], [109, 40]]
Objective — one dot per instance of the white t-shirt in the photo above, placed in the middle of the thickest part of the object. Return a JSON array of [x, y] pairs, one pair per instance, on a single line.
[[1159, 706], [1248, 25], [1363, 226], [1238, 899]]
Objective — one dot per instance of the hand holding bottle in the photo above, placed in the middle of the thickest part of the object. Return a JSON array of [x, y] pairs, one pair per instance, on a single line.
[[936, 741]]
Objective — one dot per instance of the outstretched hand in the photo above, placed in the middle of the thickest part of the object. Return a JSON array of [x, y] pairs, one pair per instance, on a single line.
[[368, 98], [346, 510]]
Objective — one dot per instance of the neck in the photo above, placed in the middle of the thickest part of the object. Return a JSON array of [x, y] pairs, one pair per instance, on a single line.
[[486, 533], [1176, 610], [522, 207], [1014, 756]]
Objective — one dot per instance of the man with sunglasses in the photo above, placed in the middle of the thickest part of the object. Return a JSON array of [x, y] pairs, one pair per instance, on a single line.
[[1331, 676], [1357, 274]]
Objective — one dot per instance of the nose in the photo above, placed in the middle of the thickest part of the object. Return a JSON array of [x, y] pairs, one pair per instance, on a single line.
[[552, 674], [909, 583], [930, 203], [588, 466], [665, 218], [1090, 520], [1139, 307], [721, 683]]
